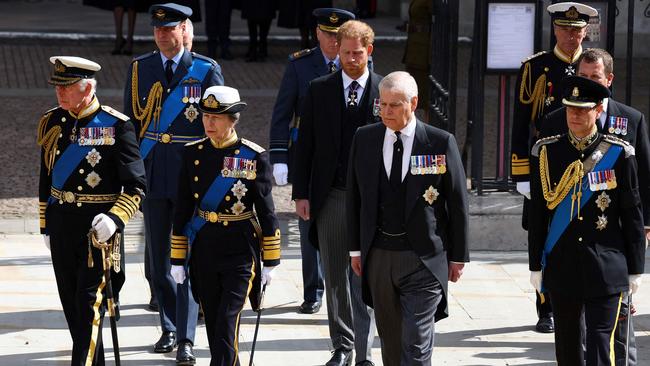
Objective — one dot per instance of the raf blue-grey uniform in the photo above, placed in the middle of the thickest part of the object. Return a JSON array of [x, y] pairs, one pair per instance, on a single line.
[[178, 310], [303, 67]]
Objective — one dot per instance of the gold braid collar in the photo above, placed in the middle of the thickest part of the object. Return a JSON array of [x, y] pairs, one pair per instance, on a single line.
[[154, 102], [571, 179], [48, 140], [536, 95]]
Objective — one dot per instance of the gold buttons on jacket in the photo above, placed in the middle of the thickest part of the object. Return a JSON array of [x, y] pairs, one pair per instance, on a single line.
[[81, 171], [200, 147], [196, 162], [80, 188], [196, 179], [236, 151], [227, 198], [580, 239], [225, 223], [196, 195]]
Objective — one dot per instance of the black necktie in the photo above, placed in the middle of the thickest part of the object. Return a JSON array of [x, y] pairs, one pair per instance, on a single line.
[[331, 67], [396, 166], [352, 94], [169, 73]]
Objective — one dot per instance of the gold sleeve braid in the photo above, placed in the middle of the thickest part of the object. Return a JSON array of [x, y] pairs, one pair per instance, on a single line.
[[571, 179], [536, 95], [42, 206], [179, 247], [271, 246], [154, 102], [125, 207], [48, 140]]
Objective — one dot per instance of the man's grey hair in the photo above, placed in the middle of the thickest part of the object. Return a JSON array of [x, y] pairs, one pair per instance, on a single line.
[[84, 82], [189, 28], [400, 81]]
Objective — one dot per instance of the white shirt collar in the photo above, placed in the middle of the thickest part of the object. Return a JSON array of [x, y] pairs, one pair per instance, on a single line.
[[361, 80], [176, 59], [605, 104], [407, 131]]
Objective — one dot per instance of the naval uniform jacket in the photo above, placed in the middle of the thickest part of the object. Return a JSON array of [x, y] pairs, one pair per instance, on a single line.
[[237, 231], [163, 162], [319, 143], [589, 260], [436, 224], [636, 134], [303, 67], [537, 93], [111, 173]]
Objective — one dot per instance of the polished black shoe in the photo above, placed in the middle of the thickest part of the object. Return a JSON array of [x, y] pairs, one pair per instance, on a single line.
[[185, 354], [309, 307], [153, 304], [166, 343], [340, 357], [364, 363], [545, 324]]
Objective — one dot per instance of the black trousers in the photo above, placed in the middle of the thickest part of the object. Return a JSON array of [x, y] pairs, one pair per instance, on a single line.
[[217, 22], [601, 317], [223, 284], [81, 289]]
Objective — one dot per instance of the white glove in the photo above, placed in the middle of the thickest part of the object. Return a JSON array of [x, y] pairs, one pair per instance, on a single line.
[[635, 283], [524, 189], [46, 239], [267, 275], [104, 227], [178, 274], [280, 173], [536, 280]]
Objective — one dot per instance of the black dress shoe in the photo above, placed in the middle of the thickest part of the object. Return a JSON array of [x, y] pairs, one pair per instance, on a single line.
[[166, 343], [185, 354], [309, 307], [545, 324], [340, 357], [153, 304]]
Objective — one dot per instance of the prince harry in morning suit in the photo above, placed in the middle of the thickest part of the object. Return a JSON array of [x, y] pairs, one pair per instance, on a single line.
[[334, 107], [407, 210]]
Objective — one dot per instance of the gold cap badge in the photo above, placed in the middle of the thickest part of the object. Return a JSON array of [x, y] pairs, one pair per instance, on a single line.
[[160, 14], [211, 102], [576, 92], [59, 66], [572, 13], [334, 18]]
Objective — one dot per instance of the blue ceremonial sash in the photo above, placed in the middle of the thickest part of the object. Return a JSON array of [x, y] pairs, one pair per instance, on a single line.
[[213, 197], [559, 223], [173, 104], [75, 153]]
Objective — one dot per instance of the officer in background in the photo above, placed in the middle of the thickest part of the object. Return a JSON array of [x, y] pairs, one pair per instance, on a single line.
[[162, 93], [217, 27], [628, 124], [223, 177], [303, 67], [537, 92], [91, 176], [586, 238]]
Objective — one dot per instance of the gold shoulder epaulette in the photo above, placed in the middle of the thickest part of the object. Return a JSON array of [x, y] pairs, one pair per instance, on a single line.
[[257, 148], [43, 122], [533, 56], [545, 141], [301, 54], [196, 142], [115, 113], [629, 149]]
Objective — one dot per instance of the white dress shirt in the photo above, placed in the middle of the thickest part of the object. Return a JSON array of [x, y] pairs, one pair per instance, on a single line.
[[362, 85], [176, 59], [603, 116], [407, 136]]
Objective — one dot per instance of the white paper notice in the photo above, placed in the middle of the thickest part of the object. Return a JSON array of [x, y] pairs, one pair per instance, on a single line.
[[511, 34]]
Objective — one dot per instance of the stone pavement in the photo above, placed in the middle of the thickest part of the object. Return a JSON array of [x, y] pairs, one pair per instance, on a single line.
[[492, 315]]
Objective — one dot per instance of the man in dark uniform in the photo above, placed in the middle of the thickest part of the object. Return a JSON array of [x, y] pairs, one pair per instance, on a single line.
[[537, 93], [335, 106], [628, 124], [91, 176], [303, 67], [222, 179], [217, 27], [161, 96], [408, 212], [586, 238]]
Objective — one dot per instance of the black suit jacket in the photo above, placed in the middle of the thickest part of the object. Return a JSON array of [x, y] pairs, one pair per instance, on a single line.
[[319, 138], [438, 231], [637, 135]]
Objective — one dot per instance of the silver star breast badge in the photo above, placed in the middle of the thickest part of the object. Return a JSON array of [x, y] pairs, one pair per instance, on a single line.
[[601, 223], [431, 195], [603, 201]]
